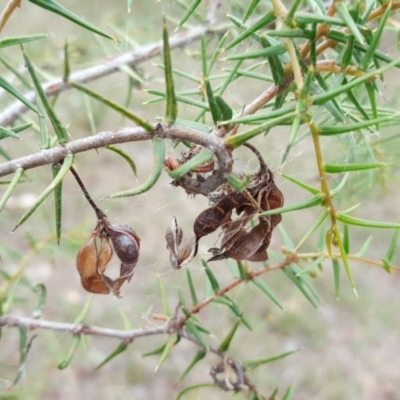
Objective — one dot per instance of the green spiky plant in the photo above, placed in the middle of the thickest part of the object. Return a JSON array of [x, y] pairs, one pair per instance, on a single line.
[[307, 73]]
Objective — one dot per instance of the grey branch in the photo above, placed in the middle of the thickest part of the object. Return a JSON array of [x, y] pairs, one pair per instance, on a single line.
[[79, 329], [134, 134], [131, 58], [127, 336]]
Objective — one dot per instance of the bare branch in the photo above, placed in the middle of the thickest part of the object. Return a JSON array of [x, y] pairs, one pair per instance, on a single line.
[[131, 58], [134, 134], [79, 329], [290, 258]]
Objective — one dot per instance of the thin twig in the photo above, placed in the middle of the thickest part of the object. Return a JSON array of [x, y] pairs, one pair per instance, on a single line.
[[7, 12], [134, 134], [221, 292], [99, 213]]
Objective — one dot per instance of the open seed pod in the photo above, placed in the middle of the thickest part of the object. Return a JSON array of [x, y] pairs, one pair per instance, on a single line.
[[94, 256], [179, 255]]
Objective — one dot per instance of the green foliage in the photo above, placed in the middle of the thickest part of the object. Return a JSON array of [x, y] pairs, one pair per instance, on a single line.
[[283, 75]]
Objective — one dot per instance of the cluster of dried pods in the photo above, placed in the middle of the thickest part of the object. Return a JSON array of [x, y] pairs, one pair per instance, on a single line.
[[238, 242], [94, 256], [245, 237]]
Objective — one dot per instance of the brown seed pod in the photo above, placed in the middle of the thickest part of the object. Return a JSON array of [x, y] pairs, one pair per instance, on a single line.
[[91, 261], [126, 243]]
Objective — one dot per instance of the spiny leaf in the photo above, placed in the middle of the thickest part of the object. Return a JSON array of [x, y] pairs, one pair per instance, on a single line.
[[225, 111], [119, 349], [191, 287], [124, 155], [67, 68], [345, 259], [289, 393], [341, 184], [192, 328], [261, 23], [198, 356], [171, 110], [156, 351], [14, 183], [158, 157], [251, 364], [212, 103], [275, 50], [321, 218], [252, 6], [336, 275], [22, 127], [393, 245], [307, 203], [115, 106], [224, 346], [227, 301], [58, 127], [291, 12], [251, 119], [212, 279], [333, 93], [346, 239], [214, 56], [23, 340], [182, 302], [4, 132], [300, 283], [67, 360], [17, 94], [182, 99], [241, 138], [264, 287], [286, 237], [338, 129], [166, 308], [193, 387], [68, 161], [189, 12], [200, 158], [57, 201], [172, 340], [45, 141], [11, 41], [242, 269], [364, 222], [348, 52], [56, 8], [337, 168], [386, 265], [373, 46], [365, 246], [42, 290], [345, 15], [303, 18], [304, 185]]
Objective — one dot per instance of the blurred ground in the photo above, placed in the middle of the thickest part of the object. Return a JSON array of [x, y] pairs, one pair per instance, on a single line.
[[348, 348]]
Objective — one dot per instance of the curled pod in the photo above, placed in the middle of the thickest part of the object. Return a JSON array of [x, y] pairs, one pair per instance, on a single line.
[[91, 261], [126, 243], [209, 221]]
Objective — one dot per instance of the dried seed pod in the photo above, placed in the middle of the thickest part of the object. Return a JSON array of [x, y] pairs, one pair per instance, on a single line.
[[126, 243], [178, 256], [173, 236], [209, 221], [91, 261]]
